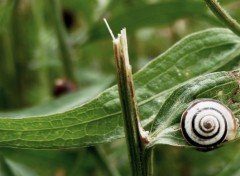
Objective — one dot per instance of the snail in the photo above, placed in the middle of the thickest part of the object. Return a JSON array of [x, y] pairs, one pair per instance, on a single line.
[[207, 123]]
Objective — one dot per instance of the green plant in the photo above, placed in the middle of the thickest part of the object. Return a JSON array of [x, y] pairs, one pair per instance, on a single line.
[[163, 88]]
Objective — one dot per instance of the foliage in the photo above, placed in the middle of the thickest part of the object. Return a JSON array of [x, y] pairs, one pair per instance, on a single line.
[[36, 58]]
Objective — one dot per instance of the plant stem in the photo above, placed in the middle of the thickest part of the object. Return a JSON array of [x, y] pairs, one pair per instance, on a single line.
[[148, 161], [40, 53], [231, 23], [22, 50], [132, 126], [62, 39], [7, 64]]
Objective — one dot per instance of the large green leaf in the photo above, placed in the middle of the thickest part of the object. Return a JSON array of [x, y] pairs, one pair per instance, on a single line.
[[100, 120]]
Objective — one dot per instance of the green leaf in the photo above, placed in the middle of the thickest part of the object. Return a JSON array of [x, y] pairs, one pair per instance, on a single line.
[[100, 120], [222, 86]]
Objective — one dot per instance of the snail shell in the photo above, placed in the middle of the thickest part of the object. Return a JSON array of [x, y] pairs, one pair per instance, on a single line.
[[207, 123]]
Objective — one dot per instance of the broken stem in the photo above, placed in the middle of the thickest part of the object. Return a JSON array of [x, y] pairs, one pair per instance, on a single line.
[[136, 137]]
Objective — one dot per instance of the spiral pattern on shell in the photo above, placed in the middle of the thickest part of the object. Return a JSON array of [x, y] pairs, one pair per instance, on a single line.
[[207, 123]]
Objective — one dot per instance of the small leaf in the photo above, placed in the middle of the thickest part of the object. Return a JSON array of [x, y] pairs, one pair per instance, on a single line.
[[100, 120]]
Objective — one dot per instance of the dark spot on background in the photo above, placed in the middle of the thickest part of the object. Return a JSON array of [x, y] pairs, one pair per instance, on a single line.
[[68, 18]]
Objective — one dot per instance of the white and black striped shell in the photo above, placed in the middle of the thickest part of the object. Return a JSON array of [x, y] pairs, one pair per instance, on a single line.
[[207, 123]]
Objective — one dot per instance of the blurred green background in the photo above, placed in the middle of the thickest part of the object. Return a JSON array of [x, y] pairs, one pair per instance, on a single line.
[[52, 51]]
